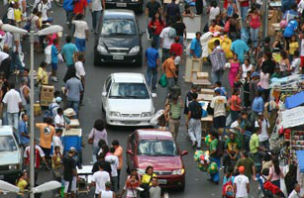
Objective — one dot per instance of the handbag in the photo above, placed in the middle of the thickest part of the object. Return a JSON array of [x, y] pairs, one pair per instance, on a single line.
[[163, 81], [91, 140]]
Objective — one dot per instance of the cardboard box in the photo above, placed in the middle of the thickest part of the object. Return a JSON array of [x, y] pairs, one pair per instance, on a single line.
[[74, 123], [46, 94], [37, 109], [202, 75], [207, 91]]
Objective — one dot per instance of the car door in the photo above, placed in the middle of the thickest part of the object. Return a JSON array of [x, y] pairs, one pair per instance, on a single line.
[[131, 147], [105, 92]]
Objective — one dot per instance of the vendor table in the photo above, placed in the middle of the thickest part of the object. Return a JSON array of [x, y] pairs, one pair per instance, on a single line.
[[207, 123], [202, 83], [205, 97]]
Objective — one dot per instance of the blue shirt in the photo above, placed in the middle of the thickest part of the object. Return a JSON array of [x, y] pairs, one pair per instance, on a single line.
[[54, 53], [258, 105], [68, 5], [74, 88], [22, 128], [151, 56], [196, 47], [239, 47], [68, 51], [290, 29]]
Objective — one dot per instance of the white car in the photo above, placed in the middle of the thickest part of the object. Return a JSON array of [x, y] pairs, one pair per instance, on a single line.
[[127, 100]]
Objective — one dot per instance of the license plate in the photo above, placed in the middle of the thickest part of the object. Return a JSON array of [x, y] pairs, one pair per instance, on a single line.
[[121, 5], [1, 176], [118, 57], [162, 181]]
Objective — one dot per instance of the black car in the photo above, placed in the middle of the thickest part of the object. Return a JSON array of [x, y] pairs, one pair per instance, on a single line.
[[135, 5], [119, 40]]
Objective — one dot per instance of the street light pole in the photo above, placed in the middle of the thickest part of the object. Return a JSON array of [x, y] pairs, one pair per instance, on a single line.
[[32, 132]]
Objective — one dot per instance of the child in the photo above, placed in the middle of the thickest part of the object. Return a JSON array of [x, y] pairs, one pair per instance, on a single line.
[[293, 46], [54, 55], [22, 184], [42, 74], [17, 15]]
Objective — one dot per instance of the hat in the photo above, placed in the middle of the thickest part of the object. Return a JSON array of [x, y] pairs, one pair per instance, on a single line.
[[72, 149], [241, 169], [255, 74], [217, 90]]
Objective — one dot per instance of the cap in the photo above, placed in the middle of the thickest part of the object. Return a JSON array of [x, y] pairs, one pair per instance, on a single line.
[[217, 90], [241, 169], [58, 99], [72, 149], [255, 74]]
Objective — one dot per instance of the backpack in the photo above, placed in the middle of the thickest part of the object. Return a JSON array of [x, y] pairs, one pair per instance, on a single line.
[[171, 33], [219, 149], [196, 112]]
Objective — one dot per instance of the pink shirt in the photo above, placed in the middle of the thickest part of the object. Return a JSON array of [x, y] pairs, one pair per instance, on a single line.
[[272, 172], [264, 80]]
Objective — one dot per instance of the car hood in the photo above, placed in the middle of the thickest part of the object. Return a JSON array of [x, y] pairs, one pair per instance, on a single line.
[[121, 41], [8, 158], [130, 106], [160, 162]]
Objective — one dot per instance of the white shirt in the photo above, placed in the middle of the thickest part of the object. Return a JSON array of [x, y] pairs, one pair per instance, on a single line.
[[100, 178], [59, 121], [43, 8], [263, 136], [57, 142], [107, 194], [241, 182], [113, 160], [3, 56], [294, 194], [234, 125], [96, 5], [218, 104], [214, 11], [10, 14], [295, 65], [80, 28], [79, 69], [302, 48], [167, 42], [12, 99], [245, 70]]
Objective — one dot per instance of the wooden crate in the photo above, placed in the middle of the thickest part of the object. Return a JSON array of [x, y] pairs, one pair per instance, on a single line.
[[202, 75]]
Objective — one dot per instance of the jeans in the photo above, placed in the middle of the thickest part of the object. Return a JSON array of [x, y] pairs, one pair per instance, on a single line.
[[69, 16], [156, 39], [171, 83], [216, 177], [95, 150], [16, 62], [254, 36], [195, 131], [96, 20], [74, 105], [13, 119], [165, 54], [152, 77], [217, 76], [114, 183], [244, 13]]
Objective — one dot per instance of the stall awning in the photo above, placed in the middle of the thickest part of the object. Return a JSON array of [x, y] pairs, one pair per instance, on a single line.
[[294, 100], [293, 117], [300, 157]]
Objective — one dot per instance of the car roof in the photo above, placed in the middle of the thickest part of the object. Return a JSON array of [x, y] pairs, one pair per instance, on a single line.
[[6, 130], [119, 13], [128, 77], [153, 134]]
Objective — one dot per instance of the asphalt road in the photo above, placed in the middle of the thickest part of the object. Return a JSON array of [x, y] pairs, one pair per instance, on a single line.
[[196, 181]]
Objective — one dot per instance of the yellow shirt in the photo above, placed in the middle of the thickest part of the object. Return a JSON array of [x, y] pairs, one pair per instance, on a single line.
[[42, 76], [17, 15], [226, 46], [293, 46], [46, 134], [22, 184], [146, 179]]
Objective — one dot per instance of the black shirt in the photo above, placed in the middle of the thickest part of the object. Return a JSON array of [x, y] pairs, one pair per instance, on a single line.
[[268, 66], [188, 99], [196, 110], [179, 28], [69, 165], [105, 165], [152, 7]]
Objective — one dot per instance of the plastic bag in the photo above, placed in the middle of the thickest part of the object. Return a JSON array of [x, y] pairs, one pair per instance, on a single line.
[[48, 54], [163, 80]]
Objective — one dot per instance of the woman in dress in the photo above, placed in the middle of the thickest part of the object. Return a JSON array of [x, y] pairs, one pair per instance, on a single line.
[[156, 26], [234, 70]]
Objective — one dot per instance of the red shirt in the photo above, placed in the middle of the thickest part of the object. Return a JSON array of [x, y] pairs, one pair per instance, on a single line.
[[159, 26], [79, 6], [177, 49], [38, 155], [244, 3]]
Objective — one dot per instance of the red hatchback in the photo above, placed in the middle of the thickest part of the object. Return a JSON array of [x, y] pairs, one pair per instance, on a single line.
[[152, 147]]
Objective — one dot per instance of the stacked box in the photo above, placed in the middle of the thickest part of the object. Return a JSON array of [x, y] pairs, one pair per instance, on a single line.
[[46, 94], [37, 109], [202, 75]]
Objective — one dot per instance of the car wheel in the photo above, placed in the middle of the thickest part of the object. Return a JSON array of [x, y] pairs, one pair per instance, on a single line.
[[182, 187], [97, 61], [138, 62]]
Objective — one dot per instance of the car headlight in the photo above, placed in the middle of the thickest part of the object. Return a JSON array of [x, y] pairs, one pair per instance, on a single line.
[[102, 49], [114, 114], [134, 50], [146, 114], [178, 172], [13, 167], [141, 171]]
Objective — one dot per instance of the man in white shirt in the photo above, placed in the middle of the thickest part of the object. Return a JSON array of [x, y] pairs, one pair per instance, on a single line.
[[96, 8], [81, 33], [166, 41], [99, 179], [80, 73], [296, 192], [57, 140], [263, 124], [113, 160], [218, 104], [44, 6], [59, 119], [13, 102], [241, 184]]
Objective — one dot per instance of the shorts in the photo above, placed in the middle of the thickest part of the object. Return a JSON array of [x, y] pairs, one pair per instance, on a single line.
[[47, 151], [80, 44], [68, 188], [54, 66], [219, 122]]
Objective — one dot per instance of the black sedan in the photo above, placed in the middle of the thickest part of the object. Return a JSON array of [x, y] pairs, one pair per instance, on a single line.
[[119, 40]]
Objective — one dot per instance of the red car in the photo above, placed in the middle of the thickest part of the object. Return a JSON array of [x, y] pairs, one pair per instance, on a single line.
[[156, 148]]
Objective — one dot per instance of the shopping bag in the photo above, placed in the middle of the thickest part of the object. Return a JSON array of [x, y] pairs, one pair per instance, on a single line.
[[163, 80]]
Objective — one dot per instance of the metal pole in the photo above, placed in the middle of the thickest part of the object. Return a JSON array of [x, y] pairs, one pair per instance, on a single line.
[[32, 144], [265, 29]]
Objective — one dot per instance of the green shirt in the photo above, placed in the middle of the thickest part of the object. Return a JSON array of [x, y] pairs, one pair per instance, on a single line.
[[254, 143], [248, 164], [213, 145]]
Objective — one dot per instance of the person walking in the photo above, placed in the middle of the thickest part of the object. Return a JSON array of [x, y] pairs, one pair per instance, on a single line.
[[193, 122], [239, 47], [172, 11], [47, 131], [68, 51], [234, 70], [218, 61], [73, 89], [69, 174], [167, 36], [156, 25], [81, 33], [119, 153], [54, 58], [218, 104], [23, 133], [113, 160], [195, 46], [13, 103], [152, 61], [25, 95], [22, 184], [169, 69], [98, 132], [248, 164], [80, 73], [296, 193], [241, 184], [68, 6], [99, 180], [96, 7], [174, 113]]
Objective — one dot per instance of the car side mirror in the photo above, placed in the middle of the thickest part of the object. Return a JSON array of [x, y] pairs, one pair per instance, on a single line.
[[184, 152], [104, 94], [154, 95], [130, 152]]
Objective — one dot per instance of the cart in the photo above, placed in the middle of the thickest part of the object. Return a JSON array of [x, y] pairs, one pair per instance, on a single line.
[[73, 138], [84, 180]]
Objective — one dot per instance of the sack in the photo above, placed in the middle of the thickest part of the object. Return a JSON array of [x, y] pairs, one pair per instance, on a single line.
[[219, 149], [196, 112], [163, 80], [172, 33]]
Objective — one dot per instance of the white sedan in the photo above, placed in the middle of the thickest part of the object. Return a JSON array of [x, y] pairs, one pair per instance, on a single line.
[[126, 100]]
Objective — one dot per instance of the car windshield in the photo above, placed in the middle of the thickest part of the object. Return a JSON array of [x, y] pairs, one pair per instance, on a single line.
[[157, 148], [129, 91], [7, 143], [118, 27]]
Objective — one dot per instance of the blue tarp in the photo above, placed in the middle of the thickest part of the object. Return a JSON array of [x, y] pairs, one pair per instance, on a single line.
[[294, 100], [300, 157]]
